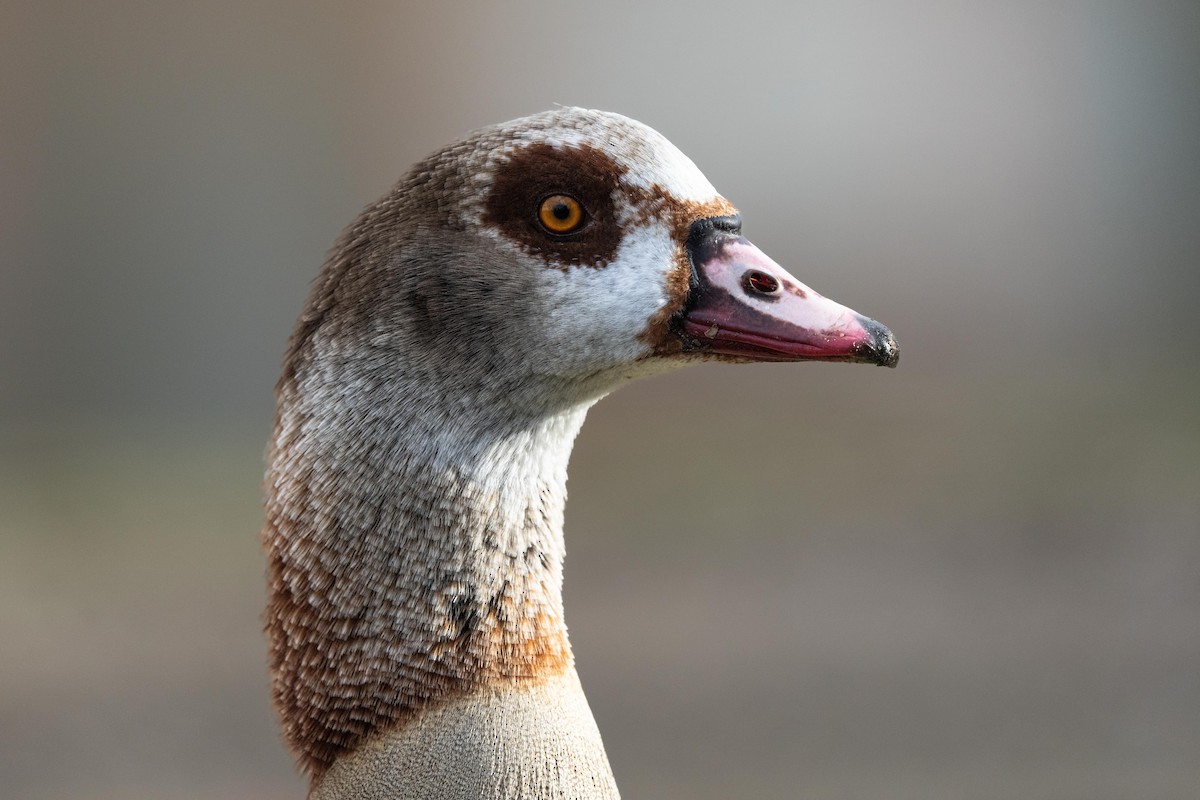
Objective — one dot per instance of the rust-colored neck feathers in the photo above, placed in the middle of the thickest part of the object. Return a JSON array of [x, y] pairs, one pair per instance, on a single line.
[[403, 575]]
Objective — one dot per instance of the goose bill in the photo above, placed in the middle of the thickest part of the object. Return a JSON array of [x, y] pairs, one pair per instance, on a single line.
[[743, 304]]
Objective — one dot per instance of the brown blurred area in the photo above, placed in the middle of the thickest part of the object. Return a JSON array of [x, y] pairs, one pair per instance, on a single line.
[[975, 576]]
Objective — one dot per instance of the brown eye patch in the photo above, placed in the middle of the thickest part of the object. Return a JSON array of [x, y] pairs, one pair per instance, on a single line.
[[541, 172]]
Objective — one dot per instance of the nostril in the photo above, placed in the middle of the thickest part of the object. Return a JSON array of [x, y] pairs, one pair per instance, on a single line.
[[756, 282]]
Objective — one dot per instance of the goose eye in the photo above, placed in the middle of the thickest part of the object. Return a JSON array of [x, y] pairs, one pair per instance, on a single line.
[[560, 213]]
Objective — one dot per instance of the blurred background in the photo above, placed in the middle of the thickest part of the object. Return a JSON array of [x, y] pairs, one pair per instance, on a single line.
[[977, 575]]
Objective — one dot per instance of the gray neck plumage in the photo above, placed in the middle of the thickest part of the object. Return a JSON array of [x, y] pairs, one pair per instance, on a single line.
[[414, 534]]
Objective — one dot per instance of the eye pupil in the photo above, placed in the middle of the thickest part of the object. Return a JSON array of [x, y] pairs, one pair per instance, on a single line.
[[561, 211]]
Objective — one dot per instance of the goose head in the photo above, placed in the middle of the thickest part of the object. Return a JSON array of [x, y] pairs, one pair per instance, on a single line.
[[545, 260], [430, 396]]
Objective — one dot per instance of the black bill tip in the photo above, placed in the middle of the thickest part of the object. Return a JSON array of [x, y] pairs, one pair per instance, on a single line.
[[880, 348]]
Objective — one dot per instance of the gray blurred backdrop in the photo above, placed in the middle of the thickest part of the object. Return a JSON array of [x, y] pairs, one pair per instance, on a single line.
[[976, 576]]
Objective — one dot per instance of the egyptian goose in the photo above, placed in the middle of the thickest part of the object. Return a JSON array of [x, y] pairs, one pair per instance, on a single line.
[[430, 395]]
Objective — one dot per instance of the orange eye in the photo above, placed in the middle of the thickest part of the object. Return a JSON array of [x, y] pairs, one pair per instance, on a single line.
[[560, 213]]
